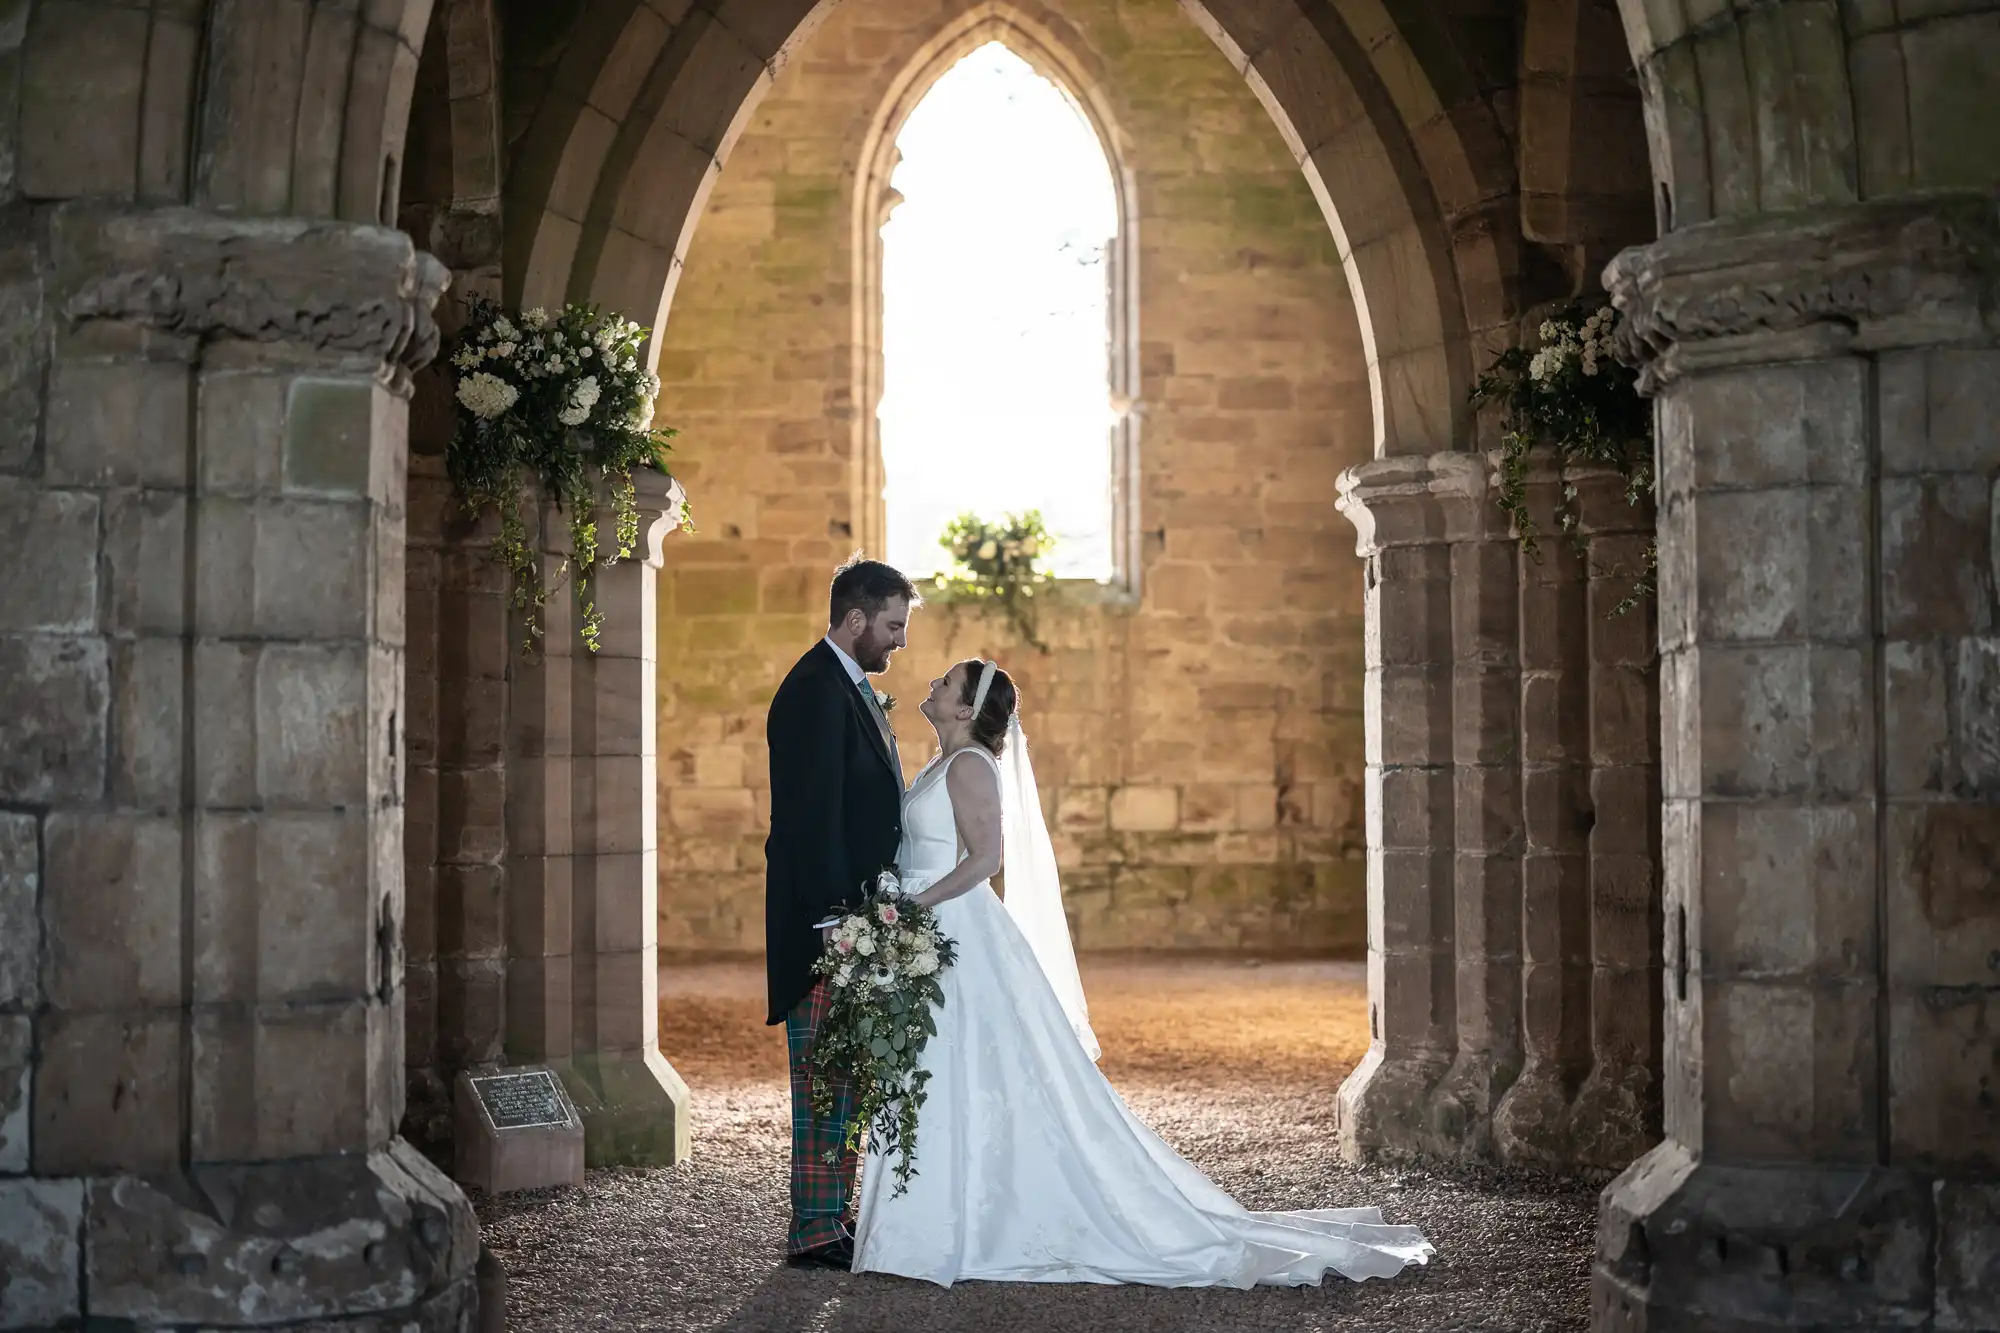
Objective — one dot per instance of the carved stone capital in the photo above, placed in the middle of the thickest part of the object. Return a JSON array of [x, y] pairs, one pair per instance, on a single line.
[[333, 287], [1418, 500], [662, 502], [1802, 285]]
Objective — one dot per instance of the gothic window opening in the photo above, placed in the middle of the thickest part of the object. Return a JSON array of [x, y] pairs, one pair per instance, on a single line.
[[1003, 319]]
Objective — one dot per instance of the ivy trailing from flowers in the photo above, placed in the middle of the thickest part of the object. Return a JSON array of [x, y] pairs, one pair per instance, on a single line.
[[563, 401], [999, 562], [1573, 395]]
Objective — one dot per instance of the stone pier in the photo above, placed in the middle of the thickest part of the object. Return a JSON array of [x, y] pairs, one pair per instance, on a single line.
[[201, 891], [1827, 391], [1512, 780]]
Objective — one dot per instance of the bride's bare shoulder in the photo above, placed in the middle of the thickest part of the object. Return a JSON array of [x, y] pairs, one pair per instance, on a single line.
[[971, 779]]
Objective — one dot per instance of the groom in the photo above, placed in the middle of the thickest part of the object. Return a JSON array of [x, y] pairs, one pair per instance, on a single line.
[[836, 820]]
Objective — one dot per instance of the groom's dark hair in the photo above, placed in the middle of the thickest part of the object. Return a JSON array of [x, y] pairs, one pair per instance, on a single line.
[[867, 585]]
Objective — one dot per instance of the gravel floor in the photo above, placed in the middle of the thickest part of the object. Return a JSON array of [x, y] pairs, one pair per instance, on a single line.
[[698, 1246]]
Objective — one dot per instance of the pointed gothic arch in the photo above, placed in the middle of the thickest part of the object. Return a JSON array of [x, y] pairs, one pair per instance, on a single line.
[[873, 197]]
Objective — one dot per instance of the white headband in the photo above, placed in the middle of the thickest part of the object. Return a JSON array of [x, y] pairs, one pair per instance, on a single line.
[[985, 684]]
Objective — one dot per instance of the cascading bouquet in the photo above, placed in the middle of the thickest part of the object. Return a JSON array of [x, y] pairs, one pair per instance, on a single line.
[[567, 398], [882, 962]]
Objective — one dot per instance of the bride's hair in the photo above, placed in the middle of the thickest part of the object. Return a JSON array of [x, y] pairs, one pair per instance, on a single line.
[[989, 727]]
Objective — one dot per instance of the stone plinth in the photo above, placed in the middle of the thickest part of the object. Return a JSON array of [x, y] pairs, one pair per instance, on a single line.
[[515, 1129]]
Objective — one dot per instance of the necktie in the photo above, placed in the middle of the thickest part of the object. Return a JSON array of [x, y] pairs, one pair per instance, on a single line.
[[881, 718]]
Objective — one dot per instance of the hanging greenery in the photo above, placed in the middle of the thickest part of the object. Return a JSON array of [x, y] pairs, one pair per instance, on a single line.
[[1571, 394], [999, 562], [563, 402]]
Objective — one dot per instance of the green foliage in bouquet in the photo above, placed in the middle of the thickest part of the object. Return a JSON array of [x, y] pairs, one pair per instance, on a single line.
[[1572, 394], [999, 562], [882, 964], [563, 400]]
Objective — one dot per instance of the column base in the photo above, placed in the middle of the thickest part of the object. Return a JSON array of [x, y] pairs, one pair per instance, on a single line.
[[356, 1242], [1615, 1118], [1531, 1126], [634, 1108], [1382, 1110], [1686, 1245], [1462, 1107]]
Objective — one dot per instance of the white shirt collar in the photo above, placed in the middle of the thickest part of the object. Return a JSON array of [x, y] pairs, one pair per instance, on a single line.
[[854, 671]]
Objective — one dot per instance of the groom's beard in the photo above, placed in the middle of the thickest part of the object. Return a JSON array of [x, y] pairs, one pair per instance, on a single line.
[[872, 655]]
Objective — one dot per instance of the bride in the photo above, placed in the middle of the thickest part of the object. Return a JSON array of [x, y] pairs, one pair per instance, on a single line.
[[1029, 1166]]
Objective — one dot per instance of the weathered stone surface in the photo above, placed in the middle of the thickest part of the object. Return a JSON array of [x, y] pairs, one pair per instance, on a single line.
[[307, 1240], [20, 919], [52, 736], [24, 340], [120, 423], [332, 287], [634, 1109], [17, 1072], [48, 543], [1686, 1246], [111, 908], [1865, 277], [107, 1093], [41, 1264]]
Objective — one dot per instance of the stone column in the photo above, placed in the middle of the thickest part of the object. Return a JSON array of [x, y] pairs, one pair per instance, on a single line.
[[1828, 383], [584, 853], [201, 896], [1616, 1114], [1486, 753], [1407, 511], [1532, 1122]]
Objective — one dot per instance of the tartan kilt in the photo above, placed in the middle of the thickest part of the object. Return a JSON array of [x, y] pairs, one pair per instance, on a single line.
[[821, 1193]]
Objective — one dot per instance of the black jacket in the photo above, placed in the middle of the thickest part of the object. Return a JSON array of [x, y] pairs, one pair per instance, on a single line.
[[836, 814]]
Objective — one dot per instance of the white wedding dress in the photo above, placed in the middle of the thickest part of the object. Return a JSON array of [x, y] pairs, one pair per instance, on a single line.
[[1029, 1166]]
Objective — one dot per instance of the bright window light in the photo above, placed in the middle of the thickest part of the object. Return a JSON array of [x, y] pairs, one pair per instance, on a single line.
[[996, 387]]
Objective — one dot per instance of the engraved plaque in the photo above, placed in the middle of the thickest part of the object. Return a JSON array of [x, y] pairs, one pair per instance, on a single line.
[[519, 1101]]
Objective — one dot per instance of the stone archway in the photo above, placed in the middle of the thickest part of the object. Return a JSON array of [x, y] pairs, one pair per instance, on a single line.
[[213, 332]]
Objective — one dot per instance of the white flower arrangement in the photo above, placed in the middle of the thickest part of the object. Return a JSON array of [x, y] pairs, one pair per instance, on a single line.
[[1573, 396], [562, 397]]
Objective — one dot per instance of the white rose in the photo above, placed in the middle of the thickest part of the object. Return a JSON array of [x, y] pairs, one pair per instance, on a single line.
[[486, 396], [642, 414], [865, 945]]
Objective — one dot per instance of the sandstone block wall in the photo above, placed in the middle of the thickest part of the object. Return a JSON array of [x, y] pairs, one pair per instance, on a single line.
[[1201, 748]]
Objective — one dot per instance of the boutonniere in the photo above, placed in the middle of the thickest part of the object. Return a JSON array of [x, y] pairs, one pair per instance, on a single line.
[[885, 701]]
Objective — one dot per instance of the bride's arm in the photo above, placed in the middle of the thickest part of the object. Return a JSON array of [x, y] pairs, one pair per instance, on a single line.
[[975, 805]]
